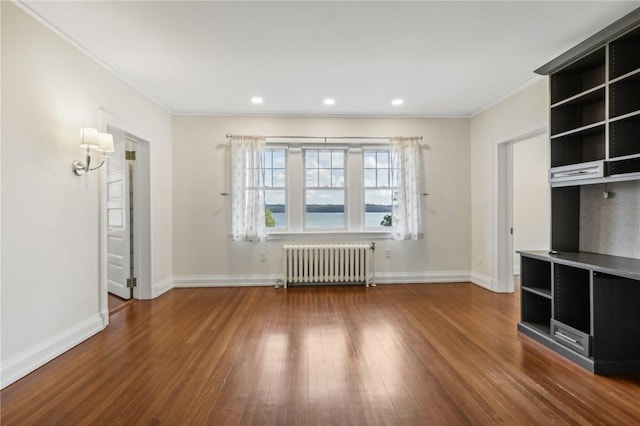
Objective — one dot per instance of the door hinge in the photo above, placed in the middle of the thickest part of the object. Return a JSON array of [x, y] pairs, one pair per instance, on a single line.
[[130, 155], [132, 282], [511, 231]]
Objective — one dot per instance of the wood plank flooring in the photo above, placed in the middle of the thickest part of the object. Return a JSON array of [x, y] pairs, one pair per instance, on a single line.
[[116, 303], [392, 355]]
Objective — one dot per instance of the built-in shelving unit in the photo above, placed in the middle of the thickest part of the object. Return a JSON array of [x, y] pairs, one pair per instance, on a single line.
[[591, 316], [595, 112], [580, 303]]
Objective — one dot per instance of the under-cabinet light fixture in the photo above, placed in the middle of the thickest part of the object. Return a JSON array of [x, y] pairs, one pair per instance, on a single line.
[[92, 140]]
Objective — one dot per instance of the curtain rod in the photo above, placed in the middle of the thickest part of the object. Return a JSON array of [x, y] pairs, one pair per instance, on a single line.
[[228, 136]]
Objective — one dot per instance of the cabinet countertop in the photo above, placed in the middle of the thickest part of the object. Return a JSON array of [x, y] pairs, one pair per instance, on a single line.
[[615, 265]]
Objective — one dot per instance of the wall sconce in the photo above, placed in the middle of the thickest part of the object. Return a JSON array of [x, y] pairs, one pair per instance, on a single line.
[[91, 140]]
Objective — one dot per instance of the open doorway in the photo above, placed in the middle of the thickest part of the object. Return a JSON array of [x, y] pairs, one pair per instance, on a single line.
[[530, 198], [125, 228], [522, 193]]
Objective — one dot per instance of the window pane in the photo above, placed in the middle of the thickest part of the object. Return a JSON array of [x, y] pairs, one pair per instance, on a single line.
[[267, 177], [267, 160], [369, 177], [279, 178], [383, 177], [337, 159], [311, 158], [324, 159], [325, 178], [275, 208], [383, 159], [279, 159], [370, 159], [377, 206], [325, 208], [337, 178], [312, 178], [273, 174]]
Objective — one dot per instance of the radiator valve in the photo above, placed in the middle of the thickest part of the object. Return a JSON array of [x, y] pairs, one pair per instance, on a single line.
[[279, 282]]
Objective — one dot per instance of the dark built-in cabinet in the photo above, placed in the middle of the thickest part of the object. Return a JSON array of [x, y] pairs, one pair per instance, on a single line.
[[585, 306], [582, 298]]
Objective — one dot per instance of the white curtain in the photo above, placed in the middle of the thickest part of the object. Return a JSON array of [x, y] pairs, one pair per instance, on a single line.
[[247, 198], [407, 214]]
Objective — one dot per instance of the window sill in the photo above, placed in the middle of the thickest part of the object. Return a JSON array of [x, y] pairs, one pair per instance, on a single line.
[[330, 235]]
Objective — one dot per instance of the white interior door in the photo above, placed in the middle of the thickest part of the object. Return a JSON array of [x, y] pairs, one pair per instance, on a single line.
[[118, 234]]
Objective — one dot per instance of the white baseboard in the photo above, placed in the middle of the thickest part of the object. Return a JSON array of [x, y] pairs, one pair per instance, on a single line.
[[105, 317], [183, 281], [483, 281], [186, 281], [36, 356], [422, 277], [161, 287]]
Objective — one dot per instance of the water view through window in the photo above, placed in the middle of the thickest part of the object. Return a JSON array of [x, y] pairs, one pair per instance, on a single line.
[[379, 184], [324, 188], [274, 180], [331, 220]]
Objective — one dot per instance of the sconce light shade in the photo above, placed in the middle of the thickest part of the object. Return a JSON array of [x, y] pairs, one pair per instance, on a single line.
[[89, 138], [106, 142]]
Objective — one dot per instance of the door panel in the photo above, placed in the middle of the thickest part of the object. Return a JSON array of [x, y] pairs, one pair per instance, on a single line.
[[118, 250]]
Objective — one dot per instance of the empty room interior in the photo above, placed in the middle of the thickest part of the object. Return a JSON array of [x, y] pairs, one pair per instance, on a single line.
[[345, 213]]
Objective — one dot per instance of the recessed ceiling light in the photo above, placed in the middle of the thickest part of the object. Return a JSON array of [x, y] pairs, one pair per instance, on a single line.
[[397, 102], [329, 101], [256, 100]]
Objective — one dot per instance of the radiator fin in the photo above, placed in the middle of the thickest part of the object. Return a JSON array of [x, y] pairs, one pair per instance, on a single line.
[[327, 263]]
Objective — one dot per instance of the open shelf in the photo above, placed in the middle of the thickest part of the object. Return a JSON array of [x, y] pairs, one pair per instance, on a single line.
[[578, 112], [623, 167], [623, 54], [623, 96], [536, 311], [536, 275], [571, 297], [624, 137], [578, 77], [579, 147], [539, 291]]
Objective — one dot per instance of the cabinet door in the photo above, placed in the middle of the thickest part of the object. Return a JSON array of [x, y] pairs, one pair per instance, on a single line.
[[616, 334]]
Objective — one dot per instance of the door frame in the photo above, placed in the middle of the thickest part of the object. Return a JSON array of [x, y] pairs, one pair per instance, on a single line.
[[503, 206], [141, 212]]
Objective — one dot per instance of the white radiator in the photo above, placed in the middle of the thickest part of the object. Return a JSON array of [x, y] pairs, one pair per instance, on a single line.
[[328, 263]]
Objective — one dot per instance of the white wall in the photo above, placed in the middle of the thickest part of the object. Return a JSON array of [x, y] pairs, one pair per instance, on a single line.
[[50, 251], [204, 254], [530, 196], [516, 115]]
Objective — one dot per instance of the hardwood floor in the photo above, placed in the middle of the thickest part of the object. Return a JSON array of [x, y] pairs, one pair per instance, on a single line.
[[396, 354], [116, 303]]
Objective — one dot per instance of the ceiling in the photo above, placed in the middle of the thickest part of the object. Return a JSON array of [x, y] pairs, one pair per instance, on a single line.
[[442, 58]]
